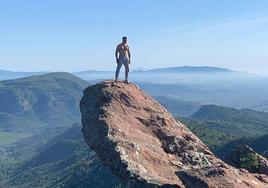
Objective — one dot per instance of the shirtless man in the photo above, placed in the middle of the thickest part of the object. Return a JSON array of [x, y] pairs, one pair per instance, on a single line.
[[122, 55]]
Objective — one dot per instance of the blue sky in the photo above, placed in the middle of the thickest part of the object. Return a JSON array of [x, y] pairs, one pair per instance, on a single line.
[[67, 35]]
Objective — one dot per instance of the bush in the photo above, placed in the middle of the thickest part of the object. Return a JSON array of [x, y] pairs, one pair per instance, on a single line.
[[249, 162]]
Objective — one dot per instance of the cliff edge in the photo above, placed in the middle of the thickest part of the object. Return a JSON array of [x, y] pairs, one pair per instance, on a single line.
[[145, 147]]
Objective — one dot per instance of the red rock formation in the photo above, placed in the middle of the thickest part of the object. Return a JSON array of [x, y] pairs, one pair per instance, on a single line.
[[145, 146]]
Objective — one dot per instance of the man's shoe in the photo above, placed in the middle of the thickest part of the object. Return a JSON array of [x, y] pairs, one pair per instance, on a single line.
[[114, 83], [126, 81]]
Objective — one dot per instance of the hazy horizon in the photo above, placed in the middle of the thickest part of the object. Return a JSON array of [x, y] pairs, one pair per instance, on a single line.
[[133, 70], [75, 36]]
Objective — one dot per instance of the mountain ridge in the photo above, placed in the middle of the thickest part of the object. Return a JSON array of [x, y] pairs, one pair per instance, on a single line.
[[187, 69], [35, 102], [244, 122]]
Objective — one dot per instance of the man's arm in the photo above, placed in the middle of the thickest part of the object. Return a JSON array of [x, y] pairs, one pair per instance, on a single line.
[[116, 54], [128, 51]]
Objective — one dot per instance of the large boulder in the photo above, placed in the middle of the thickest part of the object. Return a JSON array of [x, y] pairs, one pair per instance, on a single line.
[[146, 147]]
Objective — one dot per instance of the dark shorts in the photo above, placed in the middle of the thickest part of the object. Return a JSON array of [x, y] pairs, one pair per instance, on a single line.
[[123, 60]]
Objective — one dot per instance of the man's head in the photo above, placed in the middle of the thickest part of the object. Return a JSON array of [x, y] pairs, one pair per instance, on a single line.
[[124, 40]]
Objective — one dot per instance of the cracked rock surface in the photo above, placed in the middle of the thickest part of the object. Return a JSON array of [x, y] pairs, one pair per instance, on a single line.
[[145, 147]]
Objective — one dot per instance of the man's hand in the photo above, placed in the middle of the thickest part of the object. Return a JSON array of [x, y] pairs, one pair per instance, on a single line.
[[117, 61], [129, 61]]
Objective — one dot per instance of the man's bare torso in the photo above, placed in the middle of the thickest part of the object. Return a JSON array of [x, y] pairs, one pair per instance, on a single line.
[[123, 50]]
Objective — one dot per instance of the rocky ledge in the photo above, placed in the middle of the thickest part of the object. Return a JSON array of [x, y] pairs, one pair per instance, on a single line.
[[145, 147]]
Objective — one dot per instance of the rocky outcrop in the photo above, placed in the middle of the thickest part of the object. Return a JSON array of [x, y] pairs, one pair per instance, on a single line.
[[146, 147], [244, 156]]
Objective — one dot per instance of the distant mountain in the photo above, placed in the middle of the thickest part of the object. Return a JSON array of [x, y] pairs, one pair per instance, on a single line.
[[33, 110], [234, 89], [7, 75], [139, 69], [31, 104], [244, 122], [179, 91], [92, 72], [187, 69], [178, 108], [65, 162], [94, 75]]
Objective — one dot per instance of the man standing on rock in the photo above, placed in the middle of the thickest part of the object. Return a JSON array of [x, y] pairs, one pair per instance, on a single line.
[[122, 55]]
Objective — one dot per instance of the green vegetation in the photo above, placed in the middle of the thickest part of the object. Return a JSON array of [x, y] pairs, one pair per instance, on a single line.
[[223, 128], [26, 148], [249, 162], [34, 149], [37, 151], [7, 138], [65, 161], [258, 143], [212, 138], [240, 123], [33, 103]]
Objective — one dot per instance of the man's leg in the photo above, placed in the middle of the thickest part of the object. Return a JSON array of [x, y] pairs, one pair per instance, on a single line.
[[119, 64], [126, 71]]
